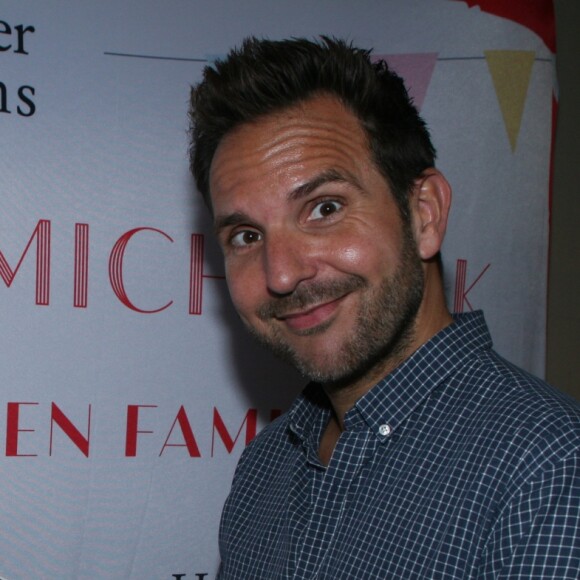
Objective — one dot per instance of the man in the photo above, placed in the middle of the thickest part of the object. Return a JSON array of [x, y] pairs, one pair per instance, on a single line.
[[415, 451]]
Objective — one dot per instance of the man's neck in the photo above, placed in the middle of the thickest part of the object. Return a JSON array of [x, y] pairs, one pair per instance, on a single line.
[[431, 318], [343, 398]]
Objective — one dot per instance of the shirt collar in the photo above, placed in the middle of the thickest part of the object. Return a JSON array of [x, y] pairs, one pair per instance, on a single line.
[[394, 398]]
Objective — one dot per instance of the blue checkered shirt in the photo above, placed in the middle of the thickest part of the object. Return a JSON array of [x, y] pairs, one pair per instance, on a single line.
[[456, 465]]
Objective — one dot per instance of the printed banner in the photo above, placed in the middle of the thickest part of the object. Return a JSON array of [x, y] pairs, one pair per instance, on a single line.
[[129, 387]]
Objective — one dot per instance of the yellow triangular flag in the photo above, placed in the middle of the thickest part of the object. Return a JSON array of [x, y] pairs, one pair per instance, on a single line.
[[511, 71]]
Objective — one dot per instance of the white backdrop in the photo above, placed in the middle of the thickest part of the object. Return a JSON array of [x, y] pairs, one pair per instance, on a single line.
[[128, 387]]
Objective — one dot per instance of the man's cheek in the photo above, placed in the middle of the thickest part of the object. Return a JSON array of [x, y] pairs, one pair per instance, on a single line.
[[241, 297]]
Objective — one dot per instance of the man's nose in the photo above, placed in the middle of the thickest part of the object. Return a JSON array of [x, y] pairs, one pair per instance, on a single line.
[[288, 261]]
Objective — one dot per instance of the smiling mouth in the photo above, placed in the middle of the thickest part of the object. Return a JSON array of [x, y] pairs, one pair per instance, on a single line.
[[312, 317], [311, 308]]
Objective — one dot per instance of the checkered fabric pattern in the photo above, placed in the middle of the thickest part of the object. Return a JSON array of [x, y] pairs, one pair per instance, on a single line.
[[456, 465]]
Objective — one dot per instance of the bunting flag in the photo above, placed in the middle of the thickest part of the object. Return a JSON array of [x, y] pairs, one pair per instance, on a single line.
[[416, 69], [511, 71]]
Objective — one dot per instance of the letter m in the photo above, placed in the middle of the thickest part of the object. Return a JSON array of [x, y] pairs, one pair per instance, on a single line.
[[42, 235], [250, 421]]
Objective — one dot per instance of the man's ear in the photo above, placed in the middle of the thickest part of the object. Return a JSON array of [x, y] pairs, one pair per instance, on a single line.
[[429, 203]]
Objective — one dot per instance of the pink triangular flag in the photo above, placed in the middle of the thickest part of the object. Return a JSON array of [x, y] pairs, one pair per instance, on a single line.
[[416, 70]]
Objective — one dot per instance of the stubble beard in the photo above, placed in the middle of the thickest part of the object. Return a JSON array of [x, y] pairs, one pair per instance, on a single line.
[[383, 331]]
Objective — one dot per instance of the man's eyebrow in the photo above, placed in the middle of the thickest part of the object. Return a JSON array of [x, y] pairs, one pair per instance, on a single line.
[[233, 219], [327, 176]]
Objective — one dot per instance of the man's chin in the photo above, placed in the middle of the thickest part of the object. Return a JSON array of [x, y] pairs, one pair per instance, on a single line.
[[326, 366], [304, 358]]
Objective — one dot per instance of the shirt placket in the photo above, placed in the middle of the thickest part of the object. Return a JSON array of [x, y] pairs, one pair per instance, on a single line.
[[352, 451]]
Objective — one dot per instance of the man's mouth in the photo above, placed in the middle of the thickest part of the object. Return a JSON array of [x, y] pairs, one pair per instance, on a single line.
[[311, 306], [311, 317]]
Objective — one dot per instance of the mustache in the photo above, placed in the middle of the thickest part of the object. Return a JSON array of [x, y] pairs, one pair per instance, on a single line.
[[308, 295]]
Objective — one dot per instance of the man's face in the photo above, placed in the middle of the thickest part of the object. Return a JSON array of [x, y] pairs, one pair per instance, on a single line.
[[319, 264]]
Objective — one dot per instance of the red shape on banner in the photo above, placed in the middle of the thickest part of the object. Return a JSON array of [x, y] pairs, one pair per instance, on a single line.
[[13, 429], [58, 417], [196, 274], [81, 272], [116, 269], [133, 428], [250, 422], [460, 286], [42, 235], [537, 15], [186, 431], [552, 153]]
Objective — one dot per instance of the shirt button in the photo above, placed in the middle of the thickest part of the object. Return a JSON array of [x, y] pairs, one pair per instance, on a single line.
[[385, 430]]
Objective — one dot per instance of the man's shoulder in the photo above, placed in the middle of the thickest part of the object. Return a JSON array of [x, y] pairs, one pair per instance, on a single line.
[[515, 402], [508, 382], [474, 391]]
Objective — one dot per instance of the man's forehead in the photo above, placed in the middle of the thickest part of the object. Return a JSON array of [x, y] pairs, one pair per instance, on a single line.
[[320, 131]]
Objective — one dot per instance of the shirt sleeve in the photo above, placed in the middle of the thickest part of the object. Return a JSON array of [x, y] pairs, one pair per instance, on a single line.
[[538, 535]]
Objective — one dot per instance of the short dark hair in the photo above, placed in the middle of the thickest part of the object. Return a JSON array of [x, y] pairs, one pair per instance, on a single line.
[[266, 76]]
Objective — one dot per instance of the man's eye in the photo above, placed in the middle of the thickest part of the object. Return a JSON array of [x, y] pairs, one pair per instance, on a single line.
[[245, 238], [324, 209]]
